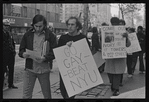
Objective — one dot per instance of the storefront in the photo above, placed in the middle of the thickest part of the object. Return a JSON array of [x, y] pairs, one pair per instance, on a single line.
[[19, 26], [60, 28]]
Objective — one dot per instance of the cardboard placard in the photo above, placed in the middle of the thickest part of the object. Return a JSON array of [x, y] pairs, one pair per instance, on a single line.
[[77, 67], [113, 44]]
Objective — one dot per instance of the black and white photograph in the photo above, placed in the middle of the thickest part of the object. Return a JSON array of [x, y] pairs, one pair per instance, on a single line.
[[54, 51]]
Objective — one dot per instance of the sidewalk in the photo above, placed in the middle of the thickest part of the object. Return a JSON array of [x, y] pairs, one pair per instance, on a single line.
[[137, 82]]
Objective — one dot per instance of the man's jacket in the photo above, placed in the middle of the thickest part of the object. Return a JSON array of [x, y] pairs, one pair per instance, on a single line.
[[27, 43]]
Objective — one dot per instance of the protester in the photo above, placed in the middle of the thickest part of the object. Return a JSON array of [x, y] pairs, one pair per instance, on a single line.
[[129, 58], [96, 44], [116, 67], [141, 38], [33, 40], [73, 25], [95, 40], [8, 53], [11, 62]]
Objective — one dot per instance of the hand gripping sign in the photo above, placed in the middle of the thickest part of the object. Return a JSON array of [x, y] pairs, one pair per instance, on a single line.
[[77, 67]]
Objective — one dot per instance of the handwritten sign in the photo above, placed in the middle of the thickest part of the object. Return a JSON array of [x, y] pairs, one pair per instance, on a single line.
[[135, 46], [77, 67], [113, 44]]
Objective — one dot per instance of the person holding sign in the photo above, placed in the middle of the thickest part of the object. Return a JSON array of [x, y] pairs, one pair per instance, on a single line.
[[129, 57], [116, 67], [74, 26], [141, 38], [39, 40]]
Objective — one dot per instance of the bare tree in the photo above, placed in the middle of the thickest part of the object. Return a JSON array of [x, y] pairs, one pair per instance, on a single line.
[[126, 8], [129, 9]]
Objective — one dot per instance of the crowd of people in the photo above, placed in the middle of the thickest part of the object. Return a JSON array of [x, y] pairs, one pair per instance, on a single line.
[[40, 68], [116, 67]]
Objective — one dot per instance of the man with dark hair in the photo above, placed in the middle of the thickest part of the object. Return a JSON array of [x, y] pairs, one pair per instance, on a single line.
[[74, 26], [43, 41]]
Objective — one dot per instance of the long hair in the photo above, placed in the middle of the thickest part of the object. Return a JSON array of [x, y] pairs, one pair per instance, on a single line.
[[38, 18], [78, 23]]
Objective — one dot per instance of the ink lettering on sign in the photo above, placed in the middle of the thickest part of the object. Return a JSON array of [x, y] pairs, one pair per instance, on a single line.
[[135, 46], [113, 44], [77, 67]]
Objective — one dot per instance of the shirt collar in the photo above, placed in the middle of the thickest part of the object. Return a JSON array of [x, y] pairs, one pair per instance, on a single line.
[[43, 32]]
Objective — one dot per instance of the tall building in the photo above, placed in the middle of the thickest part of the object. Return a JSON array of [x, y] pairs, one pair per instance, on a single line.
[[72, 9], [99, 13], [21, 14]]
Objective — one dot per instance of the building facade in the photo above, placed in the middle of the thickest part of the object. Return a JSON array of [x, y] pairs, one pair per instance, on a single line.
[[72, 9], [99, 13], [21, 15]]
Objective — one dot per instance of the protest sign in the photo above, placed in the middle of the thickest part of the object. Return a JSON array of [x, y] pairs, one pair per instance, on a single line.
[[77, 67], [98, 59], [113, 44], [135, 46]]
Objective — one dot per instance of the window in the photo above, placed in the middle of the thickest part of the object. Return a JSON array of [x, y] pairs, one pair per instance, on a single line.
[[24, 11], [7, 9]]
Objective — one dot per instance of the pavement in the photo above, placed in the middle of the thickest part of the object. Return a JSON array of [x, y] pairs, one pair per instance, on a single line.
[[132, 88]]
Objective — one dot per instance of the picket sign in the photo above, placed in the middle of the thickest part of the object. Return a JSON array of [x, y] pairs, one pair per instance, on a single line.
[[135, 46], [77, 67], [113, 44]]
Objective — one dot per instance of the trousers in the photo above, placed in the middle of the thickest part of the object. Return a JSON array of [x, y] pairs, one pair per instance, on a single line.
[[129, 64], [11, 69], [29, 82], [115, 80], [141, 62]]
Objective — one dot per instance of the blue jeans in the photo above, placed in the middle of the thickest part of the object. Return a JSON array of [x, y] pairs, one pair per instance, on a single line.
[[29, 82]]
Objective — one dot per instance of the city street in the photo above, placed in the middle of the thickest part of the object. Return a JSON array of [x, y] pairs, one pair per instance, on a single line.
[[134, 85]]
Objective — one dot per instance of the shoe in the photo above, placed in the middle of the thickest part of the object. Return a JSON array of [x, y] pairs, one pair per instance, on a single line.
[[13, 87], [116, 93], [121, 84], [130, 76]]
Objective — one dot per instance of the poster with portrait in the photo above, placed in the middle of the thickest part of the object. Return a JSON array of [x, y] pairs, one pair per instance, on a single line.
[[77, 67], [113, 44], [135, 46]]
